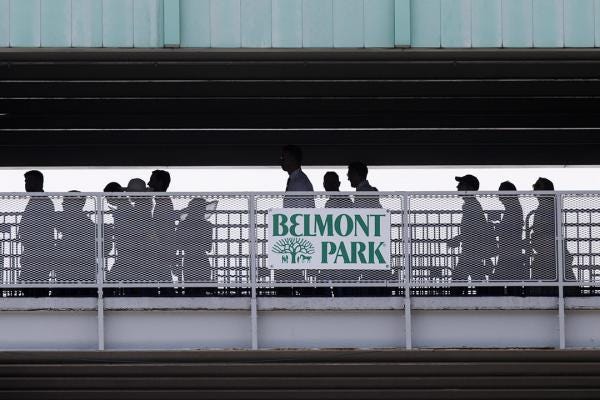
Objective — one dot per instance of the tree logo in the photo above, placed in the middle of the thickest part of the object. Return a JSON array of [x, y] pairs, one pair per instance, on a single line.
[[294, 250]]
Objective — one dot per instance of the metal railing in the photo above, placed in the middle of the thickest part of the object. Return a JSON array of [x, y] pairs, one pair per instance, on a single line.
[[205, 240]]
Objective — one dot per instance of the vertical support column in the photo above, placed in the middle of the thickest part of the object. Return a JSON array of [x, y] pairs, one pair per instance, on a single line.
[[171, 20], [558, 206], [253, 268], [100, 268], [406, 250], [402, 23]]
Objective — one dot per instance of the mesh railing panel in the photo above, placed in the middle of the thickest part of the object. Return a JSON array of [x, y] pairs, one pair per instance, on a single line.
[[320, 277], [482, 238], [177, 240], [48, 239], [581, 234], [204, 239]]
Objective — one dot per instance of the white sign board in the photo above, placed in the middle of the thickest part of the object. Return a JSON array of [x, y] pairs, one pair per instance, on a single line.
[[329, 238]]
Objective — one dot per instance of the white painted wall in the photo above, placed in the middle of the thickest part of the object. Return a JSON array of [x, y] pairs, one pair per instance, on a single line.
[[200, 323]]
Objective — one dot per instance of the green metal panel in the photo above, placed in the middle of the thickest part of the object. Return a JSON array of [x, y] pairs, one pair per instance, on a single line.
[[25, 23], [225, 23], [86, 23], [548, 23], [402, 23], [4, 23], [172, 26], [597, 21], [287, 23], [379, 23], [256, 23], [317, 23], [348, 23], [56, 23], [486, 23], [579, 23], [195, 23], [148, 23], [456, 23], [117, 23], [517, 23], [425, 23]]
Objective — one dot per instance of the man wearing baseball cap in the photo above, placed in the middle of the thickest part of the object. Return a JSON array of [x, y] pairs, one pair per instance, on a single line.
[[476, 239]]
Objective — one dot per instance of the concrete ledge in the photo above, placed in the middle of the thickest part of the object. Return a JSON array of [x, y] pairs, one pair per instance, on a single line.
[[332, 304], [48, 304], [484, 303], [188, 303], [297, 303]]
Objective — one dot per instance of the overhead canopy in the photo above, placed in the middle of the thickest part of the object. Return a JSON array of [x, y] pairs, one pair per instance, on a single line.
[[238, 107]]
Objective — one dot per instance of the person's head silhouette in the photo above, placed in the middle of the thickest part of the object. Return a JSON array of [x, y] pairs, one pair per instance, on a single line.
[[113, 187], [74, 203], [543, 184], [291, 158], [34, 181], [136, 185], [467, 183], [159, 181], [507, 186], [357, 173], [331, 182]]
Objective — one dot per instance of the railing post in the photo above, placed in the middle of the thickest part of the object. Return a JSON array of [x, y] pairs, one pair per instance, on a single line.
[[100, 268], [558, 206], [253, 268], [406, 250]]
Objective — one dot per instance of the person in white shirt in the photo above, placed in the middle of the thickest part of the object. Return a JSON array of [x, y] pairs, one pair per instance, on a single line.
[[291, 162]]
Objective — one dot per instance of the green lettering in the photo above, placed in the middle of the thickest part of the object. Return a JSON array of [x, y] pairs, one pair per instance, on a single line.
[[349, 225], [322, 226], [307, 231], [378, 219], [295, 224], [327, 248], [375, 252], [279, 222], [358, 252], [343, 253], [360, 222]]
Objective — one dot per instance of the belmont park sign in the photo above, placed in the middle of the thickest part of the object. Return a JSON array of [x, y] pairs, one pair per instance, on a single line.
[[343, 238]]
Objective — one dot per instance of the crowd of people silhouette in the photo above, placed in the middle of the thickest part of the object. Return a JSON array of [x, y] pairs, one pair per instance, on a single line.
[[148, 238]]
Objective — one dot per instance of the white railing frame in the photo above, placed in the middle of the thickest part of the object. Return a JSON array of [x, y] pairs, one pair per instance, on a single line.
[[407, 283]]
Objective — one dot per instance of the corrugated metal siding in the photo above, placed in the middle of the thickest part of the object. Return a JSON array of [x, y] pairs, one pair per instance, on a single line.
[[301, 23], [505, 23]]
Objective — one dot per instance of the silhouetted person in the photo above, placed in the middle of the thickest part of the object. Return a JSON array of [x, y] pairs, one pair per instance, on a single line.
[[113, 187], [77, 247], [291, 162], [543, 265], [357, 175], [113, 233], [133, 223], [195, 238], [36, 232], [476, 238], [163, 222], [512, 262], [331, 183]]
